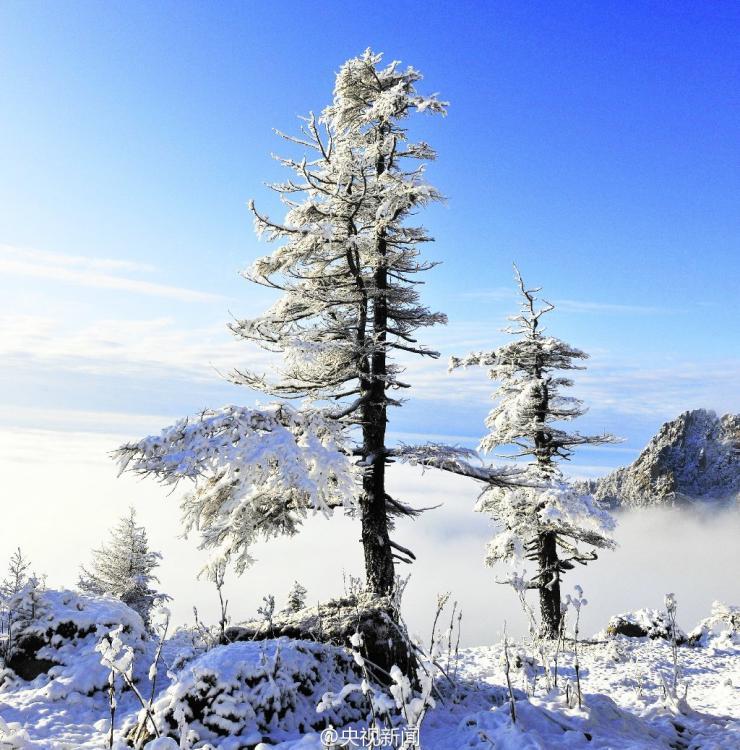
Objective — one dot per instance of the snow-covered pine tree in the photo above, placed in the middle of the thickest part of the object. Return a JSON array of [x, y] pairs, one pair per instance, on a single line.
[[18, 567], [296, 597], [123, 568], [17, 578], [345, 266], [544, 518]]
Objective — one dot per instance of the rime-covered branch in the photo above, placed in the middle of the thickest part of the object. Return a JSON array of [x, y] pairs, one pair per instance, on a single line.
[[455, 460], [256, 473]]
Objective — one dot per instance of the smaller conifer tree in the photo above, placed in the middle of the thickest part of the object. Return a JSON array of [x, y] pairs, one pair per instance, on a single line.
[[296, 598], [544, 519], [123, 568], [18, 574]]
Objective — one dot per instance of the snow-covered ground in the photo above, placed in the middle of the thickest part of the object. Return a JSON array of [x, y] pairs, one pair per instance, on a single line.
[[623, 706]]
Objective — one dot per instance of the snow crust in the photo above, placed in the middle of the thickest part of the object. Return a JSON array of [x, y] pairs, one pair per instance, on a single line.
[[264, 695]]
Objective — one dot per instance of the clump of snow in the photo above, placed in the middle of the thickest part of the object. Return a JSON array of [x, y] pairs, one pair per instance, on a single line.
[[60, 635], [162, 743], [643, 623], [258, 473], [13, 736], [723, 624], [550, 723], [252, 691]]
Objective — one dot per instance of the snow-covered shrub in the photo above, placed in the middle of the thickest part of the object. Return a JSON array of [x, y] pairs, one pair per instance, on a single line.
[[643, 623], [723, 621], [394, 716], [61, 636], [296, 598], [254, 692]]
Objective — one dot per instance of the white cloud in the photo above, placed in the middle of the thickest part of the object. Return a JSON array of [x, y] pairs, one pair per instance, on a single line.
[[660, 387], [580, 306], [76, 421], [654, 385], [71, 497], [163, 348], [132, 348], [99, 273]]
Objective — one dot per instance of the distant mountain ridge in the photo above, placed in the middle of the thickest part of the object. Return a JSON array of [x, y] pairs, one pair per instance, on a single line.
[[695, 457]]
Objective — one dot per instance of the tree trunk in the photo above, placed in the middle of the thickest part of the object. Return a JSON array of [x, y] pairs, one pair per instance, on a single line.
[[379, 567], [547, 556]]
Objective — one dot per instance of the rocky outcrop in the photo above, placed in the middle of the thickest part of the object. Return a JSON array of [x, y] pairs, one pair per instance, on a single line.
[[695, 457], [385, 643], [644, 623]]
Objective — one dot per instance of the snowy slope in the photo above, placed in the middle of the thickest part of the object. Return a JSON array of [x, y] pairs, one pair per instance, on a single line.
[[624, 708]]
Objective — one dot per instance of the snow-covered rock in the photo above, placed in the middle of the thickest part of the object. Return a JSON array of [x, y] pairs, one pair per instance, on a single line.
[[335, 622], [692, 458], [244, 693], [56, 632], [643, 623]]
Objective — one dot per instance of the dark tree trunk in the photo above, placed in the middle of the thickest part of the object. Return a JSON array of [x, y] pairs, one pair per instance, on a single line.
[[379, 567], [547, 547], [549, 588]]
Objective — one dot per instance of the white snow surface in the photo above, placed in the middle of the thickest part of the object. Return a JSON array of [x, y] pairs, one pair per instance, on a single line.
[[623, 707]]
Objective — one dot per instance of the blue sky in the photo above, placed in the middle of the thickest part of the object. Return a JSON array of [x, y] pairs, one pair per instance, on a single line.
[[595, 144]]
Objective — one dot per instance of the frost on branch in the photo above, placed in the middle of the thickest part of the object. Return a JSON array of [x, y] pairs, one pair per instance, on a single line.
[[257, 472], [456, 460], [553, 506], [345, 256]]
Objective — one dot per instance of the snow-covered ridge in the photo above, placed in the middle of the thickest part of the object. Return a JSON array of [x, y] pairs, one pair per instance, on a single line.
[[694, 457]]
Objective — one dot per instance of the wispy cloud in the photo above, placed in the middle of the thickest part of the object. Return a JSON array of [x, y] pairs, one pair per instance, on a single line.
[[652, 386], [131, 348], [497, 294], [99, 273], [120, 425], [577, 306], [660, 387], [505, 294]]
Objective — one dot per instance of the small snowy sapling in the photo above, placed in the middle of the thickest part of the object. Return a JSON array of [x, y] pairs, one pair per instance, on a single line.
[[124, 568]]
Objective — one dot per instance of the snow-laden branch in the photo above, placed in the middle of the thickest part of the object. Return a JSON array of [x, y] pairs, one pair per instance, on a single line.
[[525, 512], [462, 461], [257, 472]]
